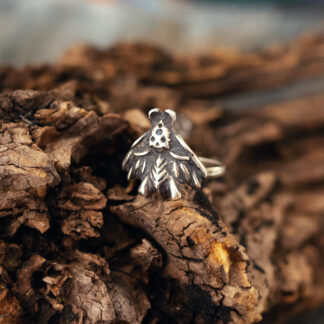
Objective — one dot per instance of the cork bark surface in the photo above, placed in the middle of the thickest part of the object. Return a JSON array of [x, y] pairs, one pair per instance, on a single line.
[[79, 245]]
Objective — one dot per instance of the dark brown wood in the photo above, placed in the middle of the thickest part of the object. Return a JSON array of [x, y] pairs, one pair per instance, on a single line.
[[78, 245]]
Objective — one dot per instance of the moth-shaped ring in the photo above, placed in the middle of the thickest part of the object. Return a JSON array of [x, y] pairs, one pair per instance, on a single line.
[[163, 161]]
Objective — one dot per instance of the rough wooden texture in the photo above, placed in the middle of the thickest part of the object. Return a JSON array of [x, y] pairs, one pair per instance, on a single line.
[[77, 245]]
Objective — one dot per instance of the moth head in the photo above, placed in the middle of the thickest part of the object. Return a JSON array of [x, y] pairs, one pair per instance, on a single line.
[[168, 117]]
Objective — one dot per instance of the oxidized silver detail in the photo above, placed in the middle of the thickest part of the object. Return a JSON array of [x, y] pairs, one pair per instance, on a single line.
[[143, 167], [179, 157], [163, 161], [142, 153], [160, 136], [185, 171], [175, 169]]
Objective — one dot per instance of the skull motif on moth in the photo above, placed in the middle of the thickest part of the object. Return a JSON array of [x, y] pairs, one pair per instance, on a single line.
[[160, 136], [162, 160]]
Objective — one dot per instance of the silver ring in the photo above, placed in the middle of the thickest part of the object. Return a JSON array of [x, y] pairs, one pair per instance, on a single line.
[[216, 168], [163, 161]]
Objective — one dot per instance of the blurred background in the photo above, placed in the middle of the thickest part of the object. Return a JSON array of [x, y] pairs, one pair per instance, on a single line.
[[40, 30], [36, 31]]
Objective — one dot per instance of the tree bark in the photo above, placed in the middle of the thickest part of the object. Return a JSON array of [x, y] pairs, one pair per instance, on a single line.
[[79, 245]]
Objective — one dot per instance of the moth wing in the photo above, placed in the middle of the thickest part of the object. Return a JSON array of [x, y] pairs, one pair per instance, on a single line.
[[135, 161], [185, 165]]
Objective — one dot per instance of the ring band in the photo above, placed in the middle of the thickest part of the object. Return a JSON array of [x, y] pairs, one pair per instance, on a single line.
[[163, 161], [216, 168]]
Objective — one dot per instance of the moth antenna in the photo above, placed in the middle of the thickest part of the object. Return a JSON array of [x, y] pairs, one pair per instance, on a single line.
[[172, 113], [154, 110]]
